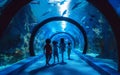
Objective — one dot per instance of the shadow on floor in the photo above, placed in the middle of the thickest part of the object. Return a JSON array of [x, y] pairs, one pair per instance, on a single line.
[[41, 69], [56, 69], [45, 67]]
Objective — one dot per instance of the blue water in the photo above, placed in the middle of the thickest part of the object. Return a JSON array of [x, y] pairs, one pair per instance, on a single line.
[[97, 28]]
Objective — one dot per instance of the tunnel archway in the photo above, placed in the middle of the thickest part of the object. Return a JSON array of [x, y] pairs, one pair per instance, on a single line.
[[114, 25], [64, 33], [36, 28]]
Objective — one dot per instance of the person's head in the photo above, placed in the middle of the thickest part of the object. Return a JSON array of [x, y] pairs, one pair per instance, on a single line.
[[62, 40], [48, 41], [54, 42]]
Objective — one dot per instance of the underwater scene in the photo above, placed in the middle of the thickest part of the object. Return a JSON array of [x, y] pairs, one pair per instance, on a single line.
[[77, 21]]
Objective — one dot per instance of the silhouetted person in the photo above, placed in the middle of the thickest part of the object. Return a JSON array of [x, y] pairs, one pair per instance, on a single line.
[[55, 50], [69, 47], [48, 51], [62, 48]]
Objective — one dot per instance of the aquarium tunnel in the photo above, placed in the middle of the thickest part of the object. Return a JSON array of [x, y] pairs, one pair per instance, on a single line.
[[91, 26]]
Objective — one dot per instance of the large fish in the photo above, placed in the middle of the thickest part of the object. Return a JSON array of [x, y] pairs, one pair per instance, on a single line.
[[76, 5], [64, 12]]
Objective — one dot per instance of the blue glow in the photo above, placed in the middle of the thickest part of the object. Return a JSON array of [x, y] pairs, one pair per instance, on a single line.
[[51, 28], [70, 67], [63, 9], [63, 24], [14, 45]]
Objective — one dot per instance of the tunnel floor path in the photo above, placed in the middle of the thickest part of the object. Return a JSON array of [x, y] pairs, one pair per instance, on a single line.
[[74, 66]]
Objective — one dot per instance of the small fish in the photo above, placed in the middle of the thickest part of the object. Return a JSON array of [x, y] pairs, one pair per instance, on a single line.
[[35, 2], [83, 19], [45, 13], [76, 5], [64, 12], [62, 2], [53, 2]]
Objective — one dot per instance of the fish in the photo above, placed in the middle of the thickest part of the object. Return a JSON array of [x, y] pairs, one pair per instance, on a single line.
[[35, 2], [62, 2], [76, 5], [56, 2], [53, 3], [64, 12], [45, 13], [83, 19]]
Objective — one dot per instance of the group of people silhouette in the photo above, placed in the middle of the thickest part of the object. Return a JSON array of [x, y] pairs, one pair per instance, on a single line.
[[53, 48]]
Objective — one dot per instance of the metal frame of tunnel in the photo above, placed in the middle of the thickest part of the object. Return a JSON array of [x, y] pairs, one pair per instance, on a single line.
[[37, 27], [112, 18], [63, 33], [10, 11]]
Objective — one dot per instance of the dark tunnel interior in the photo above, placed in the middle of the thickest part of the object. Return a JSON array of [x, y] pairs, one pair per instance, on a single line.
[[80, 22]]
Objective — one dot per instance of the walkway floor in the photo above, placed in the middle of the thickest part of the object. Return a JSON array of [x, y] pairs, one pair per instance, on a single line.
[[75, 66]]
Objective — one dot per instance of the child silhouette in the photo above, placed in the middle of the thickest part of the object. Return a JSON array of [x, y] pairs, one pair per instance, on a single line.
[[62, 48], [55, 50], [48, 51]]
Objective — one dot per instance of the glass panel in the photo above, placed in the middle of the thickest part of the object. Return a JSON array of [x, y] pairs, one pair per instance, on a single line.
[[62, 29], [14, 45]]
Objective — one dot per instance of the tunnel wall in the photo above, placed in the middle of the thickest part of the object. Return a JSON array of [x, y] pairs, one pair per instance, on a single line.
[[113, 19], [114, 23], [34, 32]]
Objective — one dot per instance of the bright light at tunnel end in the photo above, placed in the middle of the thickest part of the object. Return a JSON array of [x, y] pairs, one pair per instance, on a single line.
[[63, 25], [62, 5], [63, 10]]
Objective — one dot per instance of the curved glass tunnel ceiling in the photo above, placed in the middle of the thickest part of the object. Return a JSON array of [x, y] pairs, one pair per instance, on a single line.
[[56, 30], [65, 8], [101, 40], [90, 18]]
